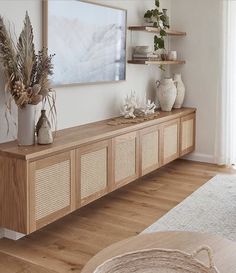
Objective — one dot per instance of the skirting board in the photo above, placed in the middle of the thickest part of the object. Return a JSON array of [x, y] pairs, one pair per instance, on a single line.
[[205, 158], [9, 234]]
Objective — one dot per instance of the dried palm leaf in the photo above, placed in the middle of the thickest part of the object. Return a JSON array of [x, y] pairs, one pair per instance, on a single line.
[[8, 109], [7, 53], [50, 99], [44, 69], [26, 52], [36, 89]]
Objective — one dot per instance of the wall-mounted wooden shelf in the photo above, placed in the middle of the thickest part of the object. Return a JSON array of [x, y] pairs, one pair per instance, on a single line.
[[151, 29], [148, 62], [157, 30]]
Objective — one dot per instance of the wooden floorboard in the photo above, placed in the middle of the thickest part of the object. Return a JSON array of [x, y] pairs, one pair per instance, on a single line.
[[66, 245], [10, 264]]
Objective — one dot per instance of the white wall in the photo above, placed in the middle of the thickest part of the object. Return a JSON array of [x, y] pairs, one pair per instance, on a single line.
[[201, 48], [83, 104], [87, 103]]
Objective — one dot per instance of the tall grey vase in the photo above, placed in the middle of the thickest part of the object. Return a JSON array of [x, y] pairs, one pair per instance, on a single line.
[[26, 125]]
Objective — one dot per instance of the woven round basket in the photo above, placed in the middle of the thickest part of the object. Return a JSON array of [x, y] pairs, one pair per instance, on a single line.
[[158, 261]]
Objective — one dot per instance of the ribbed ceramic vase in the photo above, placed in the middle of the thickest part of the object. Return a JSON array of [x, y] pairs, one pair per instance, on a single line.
[[45, 134], [43, 117], [180, 91], [166, 94], [43, 129], [26, 125]]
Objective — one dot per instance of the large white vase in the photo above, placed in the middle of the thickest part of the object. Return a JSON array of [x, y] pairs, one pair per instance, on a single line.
[[166, 94], [26, 125], [180, 91]]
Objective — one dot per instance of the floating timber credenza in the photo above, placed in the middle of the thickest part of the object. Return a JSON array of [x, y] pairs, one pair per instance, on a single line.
[[40, 184]]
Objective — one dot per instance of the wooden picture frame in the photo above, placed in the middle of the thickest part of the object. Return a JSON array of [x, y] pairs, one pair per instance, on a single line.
[[96, 69]]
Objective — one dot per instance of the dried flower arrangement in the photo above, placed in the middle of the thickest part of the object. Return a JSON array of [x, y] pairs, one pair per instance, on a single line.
[[26, 72]]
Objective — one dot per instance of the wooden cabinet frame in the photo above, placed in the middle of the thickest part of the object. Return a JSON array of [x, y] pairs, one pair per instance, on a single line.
[[192, 148], [14, 197], [85, 150]]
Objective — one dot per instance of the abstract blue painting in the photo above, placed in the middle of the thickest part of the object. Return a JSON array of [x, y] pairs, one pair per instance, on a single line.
[[89, 41]]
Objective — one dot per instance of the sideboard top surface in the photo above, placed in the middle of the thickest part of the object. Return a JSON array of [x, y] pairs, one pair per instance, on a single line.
[[84, 134]]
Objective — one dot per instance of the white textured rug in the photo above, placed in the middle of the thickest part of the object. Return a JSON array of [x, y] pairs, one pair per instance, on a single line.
[[211, 209]]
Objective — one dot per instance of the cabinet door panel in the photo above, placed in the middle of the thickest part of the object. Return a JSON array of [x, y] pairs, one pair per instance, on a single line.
[[93, 172], [187, 142], [149, 140], [170, 141], [93, 179], [51, 189], [125, 156]]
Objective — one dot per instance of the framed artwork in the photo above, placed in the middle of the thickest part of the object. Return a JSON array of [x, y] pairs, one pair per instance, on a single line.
[[88, 40]]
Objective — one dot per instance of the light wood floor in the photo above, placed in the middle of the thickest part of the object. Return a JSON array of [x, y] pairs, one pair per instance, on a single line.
[[68, 244]]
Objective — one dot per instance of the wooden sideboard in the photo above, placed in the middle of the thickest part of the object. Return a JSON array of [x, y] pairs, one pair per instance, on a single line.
[[40, 184]]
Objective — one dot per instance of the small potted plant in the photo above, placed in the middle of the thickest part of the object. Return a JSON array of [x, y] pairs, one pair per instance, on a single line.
[[26, 77]]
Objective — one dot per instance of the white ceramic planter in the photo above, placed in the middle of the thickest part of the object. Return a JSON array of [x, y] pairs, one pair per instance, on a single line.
[[180, 91], [26, 125], [166, 94]]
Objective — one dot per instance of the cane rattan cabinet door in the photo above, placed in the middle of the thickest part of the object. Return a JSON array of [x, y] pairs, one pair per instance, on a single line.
[[125, 159], [187, 134], [93, 172], [149, 146], [51, 188], [170, 141]]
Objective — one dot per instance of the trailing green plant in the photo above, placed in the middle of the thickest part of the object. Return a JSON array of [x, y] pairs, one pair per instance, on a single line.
[[26, 72], [159, 20]]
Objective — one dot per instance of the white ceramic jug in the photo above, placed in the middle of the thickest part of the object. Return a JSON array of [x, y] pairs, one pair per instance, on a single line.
[[180, 91], [166, 94]]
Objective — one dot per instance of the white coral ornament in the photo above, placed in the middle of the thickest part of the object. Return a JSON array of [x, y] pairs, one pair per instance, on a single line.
[[130, 106], [150, 108]]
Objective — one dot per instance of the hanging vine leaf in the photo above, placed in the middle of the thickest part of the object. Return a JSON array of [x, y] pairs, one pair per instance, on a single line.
[[155, 24], [159, 42], [26, 51], [163, 33], [159, 20], [155, 14], [148, 14], [157, 3]]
